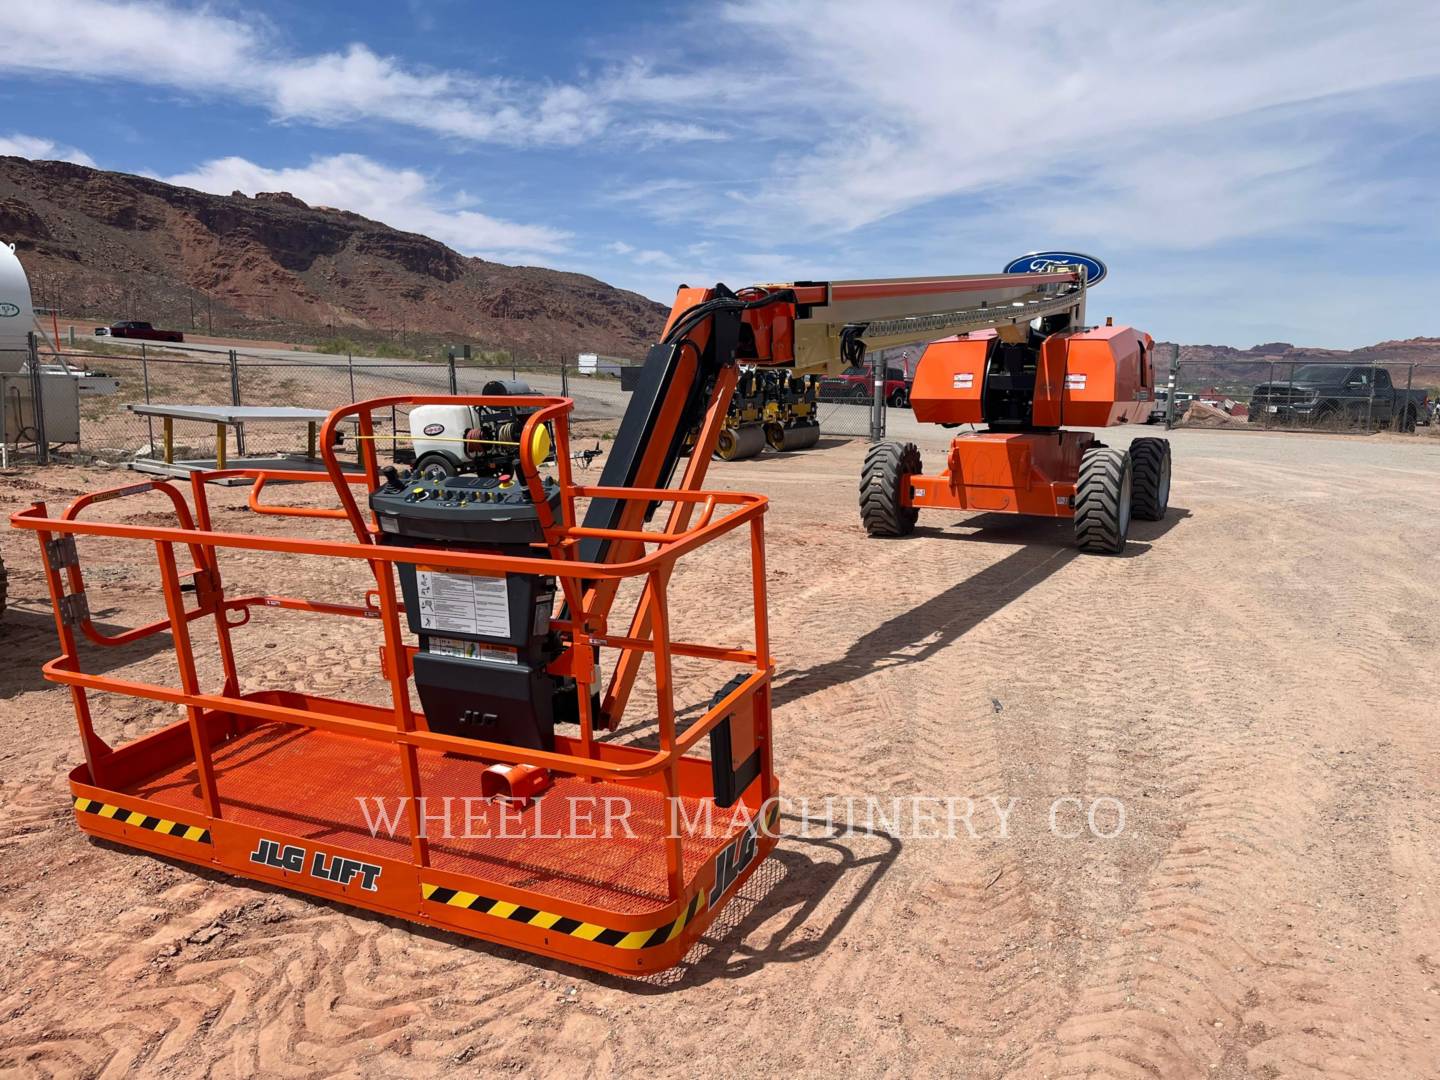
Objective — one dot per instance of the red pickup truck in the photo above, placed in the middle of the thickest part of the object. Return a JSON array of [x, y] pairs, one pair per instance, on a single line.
[[141, 330], [857, 384]]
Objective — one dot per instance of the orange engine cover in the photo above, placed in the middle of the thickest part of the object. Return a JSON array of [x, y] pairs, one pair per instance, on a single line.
[[1108, 377], [1095, 378], [950, 379]]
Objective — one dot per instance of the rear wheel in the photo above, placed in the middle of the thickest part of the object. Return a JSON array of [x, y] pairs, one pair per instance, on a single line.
[[899, 399], [1408, 419], [1150, 492], [436, 466], [1102, 501], [883, 482]]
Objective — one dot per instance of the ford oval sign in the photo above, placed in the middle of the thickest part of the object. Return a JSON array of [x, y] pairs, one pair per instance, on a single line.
[[1042, 262], [8, 311], [434, 429]]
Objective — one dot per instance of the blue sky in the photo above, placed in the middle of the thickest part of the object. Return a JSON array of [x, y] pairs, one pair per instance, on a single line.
[[1250, 171]]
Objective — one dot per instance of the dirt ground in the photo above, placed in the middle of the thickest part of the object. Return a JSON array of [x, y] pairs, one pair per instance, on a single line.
[[1255, 682]]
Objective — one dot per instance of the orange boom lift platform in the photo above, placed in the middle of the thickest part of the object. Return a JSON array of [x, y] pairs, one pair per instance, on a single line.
[[578, 846], [270, 784]]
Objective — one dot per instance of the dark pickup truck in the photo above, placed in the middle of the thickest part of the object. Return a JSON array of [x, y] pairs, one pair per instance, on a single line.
[[140, 330], [1334, 395]]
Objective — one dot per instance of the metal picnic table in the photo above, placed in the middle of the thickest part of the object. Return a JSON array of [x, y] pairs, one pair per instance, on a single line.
[[223, 416]]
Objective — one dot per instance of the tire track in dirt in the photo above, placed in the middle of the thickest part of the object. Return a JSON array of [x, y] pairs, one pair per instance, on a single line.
[[1177, 959]]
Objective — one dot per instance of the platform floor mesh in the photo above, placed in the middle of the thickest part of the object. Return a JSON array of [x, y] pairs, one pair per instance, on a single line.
[[303, 783]]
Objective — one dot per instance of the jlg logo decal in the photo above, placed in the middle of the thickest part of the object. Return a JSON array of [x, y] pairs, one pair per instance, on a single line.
[[335, 868], [731, 862]]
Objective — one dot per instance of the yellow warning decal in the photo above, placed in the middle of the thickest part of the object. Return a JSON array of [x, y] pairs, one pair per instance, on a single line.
[[163, 826], [559, 924]]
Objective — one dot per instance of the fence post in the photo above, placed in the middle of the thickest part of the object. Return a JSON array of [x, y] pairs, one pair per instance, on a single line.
[[350, 365], [450, 363], [1270, 395], [513, 373], [1170, 387], [1370, 401], [145, 379], [564, 376], [1409, 379], [877, 406], [37, 396], [236, 401]]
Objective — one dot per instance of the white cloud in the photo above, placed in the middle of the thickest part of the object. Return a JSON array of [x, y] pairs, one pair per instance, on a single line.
[[643, 256], [402, 198], [195, 50], [653, 257], [676, 131], [1132, 104], [40, 149]]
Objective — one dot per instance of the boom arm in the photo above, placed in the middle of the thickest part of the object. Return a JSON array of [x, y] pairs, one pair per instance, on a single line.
[[689, 375]]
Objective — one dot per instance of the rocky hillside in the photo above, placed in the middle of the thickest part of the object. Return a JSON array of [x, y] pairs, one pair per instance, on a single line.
[[113, 245]]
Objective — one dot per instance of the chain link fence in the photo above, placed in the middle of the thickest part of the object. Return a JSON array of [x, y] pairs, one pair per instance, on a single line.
[[22, 424], [90, 391], [1301, 395], [854, 403]]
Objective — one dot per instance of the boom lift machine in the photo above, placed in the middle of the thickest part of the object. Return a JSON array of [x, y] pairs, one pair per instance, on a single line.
[[504, 613], [1024, 382]]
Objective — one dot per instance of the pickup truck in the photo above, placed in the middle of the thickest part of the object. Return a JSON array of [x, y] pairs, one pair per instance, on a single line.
[[857, 384], [1334, 395], [140, 330]]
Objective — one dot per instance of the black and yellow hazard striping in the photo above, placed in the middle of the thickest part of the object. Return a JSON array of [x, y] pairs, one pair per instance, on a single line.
[[559, 924], [162, 826]]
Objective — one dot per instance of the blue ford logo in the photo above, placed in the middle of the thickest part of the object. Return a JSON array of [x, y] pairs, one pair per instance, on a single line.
[[1041, 262], [8, 311]]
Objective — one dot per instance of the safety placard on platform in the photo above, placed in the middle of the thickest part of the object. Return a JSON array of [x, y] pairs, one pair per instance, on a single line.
[[463, 603]]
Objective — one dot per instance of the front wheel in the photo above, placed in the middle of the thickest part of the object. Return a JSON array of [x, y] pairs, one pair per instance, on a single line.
[[883, 483], [1150, 464], [1102, 500]]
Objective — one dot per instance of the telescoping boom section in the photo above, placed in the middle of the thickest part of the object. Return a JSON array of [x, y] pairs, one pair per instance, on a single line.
[[497, 808]]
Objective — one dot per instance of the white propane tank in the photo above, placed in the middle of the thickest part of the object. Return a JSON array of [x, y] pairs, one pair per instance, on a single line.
[[17, 316], [438, 430]]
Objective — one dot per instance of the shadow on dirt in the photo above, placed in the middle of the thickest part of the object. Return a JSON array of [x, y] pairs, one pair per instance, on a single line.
[[28, 638], [811, 886], [917, 634]]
